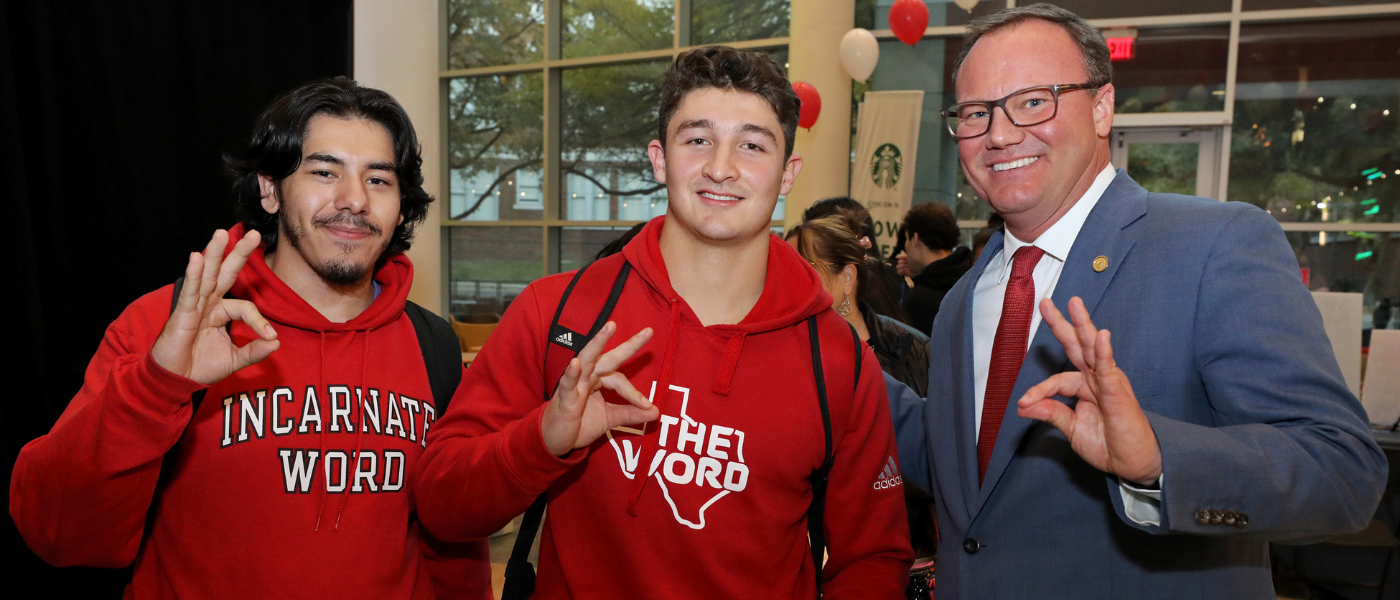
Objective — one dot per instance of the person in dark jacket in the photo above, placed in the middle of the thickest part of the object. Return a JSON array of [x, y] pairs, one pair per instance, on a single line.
[[934, 259], [833, 247]]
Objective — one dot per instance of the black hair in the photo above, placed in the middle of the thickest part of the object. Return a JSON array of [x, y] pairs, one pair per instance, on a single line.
[[276, 147], [827, 207], [934, 224]]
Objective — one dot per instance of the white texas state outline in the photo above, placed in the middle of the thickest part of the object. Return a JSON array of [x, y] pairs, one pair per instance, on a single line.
[[629, 467]]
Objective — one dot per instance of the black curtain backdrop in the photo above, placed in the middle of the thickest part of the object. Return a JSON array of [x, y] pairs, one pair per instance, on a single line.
[[113, 119]]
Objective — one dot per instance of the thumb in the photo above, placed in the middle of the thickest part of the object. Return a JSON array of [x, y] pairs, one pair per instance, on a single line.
[[1038, 403], [254, 352]]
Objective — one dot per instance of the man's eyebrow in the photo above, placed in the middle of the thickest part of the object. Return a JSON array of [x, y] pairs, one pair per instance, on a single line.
[[759, 129], [324, 158], [695, 124]]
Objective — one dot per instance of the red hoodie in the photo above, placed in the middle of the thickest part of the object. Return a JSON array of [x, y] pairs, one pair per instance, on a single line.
[[245, 511], [722, 513]]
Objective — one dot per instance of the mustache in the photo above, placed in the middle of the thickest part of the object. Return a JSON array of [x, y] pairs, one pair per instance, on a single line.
[[346, 219]]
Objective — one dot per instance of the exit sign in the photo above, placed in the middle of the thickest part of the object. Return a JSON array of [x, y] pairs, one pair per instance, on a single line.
[[1120, 48]]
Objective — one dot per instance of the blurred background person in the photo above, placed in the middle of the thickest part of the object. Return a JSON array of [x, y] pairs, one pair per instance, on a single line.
[[880, 270], [934, 260]]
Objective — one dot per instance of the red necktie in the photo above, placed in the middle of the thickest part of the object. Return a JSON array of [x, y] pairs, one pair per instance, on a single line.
[[1008, 351]]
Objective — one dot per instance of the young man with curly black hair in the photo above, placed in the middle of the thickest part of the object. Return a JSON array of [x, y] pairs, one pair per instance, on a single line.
[[252, 435]]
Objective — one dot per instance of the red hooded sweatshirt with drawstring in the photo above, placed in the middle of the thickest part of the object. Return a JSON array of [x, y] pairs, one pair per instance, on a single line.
[[263, 496], [711, 500]]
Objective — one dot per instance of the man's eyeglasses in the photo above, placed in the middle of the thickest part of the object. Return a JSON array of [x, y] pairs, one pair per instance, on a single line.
[[1031, 106]]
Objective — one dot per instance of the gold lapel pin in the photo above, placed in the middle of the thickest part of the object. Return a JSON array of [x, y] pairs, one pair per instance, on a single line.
[[1100, 264]]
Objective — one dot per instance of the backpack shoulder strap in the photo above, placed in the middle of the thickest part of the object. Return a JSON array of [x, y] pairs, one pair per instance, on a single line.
[[816, 513], [583, 309], [442, 354]]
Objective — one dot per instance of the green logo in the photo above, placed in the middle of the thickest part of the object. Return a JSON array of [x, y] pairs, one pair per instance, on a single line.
[[886, 166]]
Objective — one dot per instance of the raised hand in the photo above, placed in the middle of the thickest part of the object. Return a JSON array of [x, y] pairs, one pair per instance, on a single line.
[[1107, 427], [577, 414], [194, 343]]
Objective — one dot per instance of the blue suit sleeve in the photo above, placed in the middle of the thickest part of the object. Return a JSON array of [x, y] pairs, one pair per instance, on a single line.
[[1290, 446], [907, 410]]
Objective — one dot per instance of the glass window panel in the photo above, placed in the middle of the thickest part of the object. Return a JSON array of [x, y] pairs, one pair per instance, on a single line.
[[1173, 69], [718, 21], [1317, 121], [875, 14], [482, 33], [495, 147], [490, 266], [1277, 4], [609, 117], [1362, 262], [1109, 9], [597, 27], [1164, 168], [579, 246]]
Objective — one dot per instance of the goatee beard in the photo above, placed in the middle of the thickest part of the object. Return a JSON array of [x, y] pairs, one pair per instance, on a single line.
[[341, 271]]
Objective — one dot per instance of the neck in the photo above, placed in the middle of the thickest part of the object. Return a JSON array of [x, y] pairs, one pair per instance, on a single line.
[[857, 321], [720, 283], [337, 304], [1028, 226]]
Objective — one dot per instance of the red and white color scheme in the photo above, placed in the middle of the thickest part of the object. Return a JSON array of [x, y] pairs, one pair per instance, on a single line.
[[722, 513]]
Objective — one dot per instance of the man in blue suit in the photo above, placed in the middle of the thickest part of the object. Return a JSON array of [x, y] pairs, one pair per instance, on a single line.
[[1225, 422]]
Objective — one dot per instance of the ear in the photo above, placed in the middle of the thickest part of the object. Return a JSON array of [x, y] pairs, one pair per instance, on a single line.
[[1103, 111], [790, 171], [848, 279], [268, 190], [657, 153]]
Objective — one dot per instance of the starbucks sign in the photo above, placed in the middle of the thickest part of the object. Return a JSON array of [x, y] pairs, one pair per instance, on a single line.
[[886, 166]]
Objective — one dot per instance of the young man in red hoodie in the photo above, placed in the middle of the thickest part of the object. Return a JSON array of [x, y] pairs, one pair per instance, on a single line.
[[681, 468], [291, 479]]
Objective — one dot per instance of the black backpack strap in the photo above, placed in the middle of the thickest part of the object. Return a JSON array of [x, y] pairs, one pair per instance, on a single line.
[[816, 513], [816, 530], [442, 354], [564, 331]]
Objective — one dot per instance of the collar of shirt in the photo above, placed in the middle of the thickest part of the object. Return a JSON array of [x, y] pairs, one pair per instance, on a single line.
[[1059, 238]]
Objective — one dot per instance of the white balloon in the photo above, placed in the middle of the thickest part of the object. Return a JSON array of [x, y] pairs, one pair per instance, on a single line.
[[966, 5], [859, 53]]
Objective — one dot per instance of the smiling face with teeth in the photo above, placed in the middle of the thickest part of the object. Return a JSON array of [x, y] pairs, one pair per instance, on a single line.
[[723, 167], [1033, 175]]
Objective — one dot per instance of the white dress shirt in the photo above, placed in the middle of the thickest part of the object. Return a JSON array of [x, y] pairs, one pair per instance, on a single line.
[[1142, 506]]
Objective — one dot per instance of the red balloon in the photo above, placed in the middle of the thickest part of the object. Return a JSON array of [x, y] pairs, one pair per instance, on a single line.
[[811, 104], [908, 20]]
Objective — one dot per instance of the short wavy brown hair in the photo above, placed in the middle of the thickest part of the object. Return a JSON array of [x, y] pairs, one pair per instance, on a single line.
[[730, 69]]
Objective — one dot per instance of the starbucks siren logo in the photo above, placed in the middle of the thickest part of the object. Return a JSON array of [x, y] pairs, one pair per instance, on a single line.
[[886, 166]]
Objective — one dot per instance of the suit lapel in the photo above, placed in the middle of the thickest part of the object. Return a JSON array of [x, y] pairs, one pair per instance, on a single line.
[[965, 411], [1103, 234]]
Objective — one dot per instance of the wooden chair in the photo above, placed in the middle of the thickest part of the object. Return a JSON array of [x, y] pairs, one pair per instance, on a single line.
[[472, 336]]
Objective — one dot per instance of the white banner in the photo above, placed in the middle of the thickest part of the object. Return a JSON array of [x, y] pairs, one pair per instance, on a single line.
[[887, 142]]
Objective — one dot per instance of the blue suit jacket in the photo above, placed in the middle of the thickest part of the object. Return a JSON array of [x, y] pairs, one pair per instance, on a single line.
[[1226, 353]]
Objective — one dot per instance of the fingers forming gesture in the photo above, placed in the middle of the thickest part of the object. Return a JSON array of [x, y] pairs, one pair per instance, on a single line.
[[195, 343], [577, 414], [1107, 427]]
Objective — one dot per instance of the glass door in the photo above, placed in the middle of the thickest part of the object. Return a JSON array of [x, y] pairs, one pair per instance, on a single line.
[[1176, 160]]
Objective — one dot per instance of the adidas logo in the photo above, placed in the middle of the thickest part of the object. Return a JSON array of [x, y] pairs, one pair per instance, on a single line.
[[566, 338], [890, 476]]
